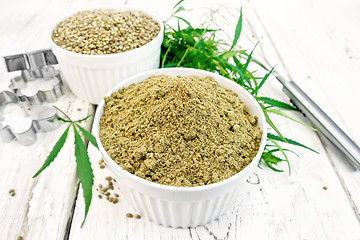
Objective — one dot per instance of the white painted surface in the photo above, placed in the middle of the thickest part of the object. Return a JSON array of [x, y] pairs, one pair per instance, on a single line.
[[315, 43]]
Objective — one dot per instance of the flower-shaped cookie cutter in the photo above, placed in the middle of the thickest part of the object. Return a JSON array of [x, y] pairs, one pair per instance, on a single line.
[[21, 117], [36, 69], [45, 88], [39, 119]]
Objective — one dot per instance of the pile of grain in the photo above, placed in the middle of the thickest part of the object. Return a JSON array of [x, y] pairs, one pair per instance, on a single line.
[[105, 31]]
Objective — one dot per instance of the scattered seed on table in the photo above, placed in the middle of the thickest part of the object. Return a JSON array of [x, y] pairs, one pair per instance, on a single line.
[[107, 194], [102, 166], [325, 187], [137, 216], [116, 200], [129, 215], [12, 192], [116, 195], [100, 196], [101, 161], [108, 178], [20, 238], [79, 109]]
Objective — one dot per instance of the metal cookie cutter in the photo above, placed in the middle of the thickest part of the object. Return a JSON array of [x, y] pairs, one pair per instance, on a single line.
[[36, 69], [33, 119], [48, 89], [32, 60]]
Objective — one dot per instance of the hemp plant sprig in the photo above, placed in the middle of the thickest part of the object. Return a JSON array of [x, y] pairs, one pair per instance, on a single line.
[[83, 164], [197, 47]]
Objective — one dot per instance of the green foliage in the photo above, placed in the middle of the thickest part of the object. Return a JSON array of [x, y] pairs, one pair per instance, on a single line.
[[275, 103], [54, 152], [237, 31], [84, 170], [83, 164], [198, 48]]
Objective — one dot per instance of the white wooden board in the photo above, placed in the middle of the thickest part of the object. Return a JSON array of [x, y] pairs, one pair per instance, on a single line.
[[314, 43]]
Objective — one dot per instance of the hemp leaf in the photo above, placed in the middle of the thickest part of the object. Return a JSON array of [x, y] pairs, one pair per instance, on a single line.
[[83, 164], [54, 152], [199, 48], [84, 170]]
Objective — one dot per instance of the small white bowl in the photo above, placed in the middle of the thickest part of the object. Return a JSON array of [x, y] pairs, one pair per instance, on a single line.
[[183, 206], [90, 77]]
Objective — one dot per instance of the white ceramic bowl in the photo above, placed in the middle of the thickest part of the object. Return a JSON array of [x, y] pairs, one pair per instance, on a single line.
[[90, 77], [183, 206]]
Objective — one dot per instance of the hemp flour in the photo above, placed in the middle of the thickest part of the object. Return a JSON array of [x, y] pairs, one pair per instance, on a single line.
[[179, 131]]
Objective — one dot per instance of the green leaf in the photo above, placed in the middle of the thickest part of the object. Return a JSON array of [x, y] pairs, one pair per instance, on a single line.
[[272, 125], [184, 20], [229, 54], [290, 141], [77, 121], [250, 57], [54, 152], [280, 113], [237, 30], [179, 9], [276, 103], [283, 149], [270, 160], [263, 81], [88, 136], [84, 170], [283, 152], [178, 3]]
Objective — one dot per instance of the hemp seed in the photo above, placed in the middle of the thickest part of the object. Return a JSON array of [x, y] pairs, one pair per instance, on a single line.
[[12, 192], [105, 31]]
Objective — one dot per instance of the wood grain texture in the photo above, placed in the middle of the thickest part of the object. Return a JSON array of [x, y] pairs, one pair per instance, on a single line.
[[322, 63], [314, 43], [42, 207]]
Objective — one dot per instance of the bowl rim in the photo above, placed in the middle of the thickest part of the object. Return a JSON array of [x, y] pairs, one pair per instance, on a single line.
[[158, 37], [150, 184]]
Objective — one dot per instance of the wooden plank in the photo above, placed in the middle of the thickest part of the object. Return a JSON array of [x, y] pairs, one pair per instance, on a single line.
[[324, 61], [42, 207], [275, 206]]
